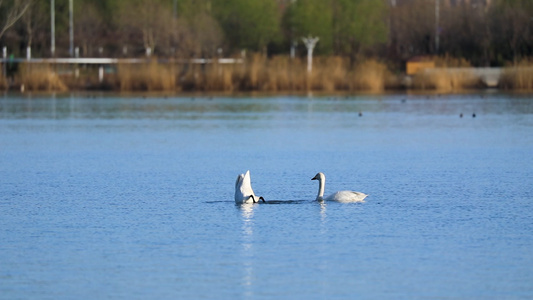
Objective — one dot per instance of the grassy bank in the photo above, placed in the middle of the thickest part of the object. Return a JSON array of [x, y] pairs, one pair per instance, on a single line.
[[262, 74]]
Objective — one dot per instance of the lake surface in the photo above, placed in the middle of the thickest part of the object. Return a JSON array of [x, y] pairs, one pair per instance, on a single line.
[[108, 197]]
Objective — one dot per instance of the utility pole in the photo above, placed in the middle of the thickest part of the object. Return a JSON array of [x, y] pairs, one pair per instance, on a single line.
[[71, 27], [53, 28], [437, 30], [310, 43]]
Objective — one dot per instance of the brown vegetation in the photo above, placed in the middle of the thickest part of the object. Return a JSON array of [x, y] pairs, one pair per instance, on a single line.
[[146, 77], [445, 80], [40, 78], [450, 74], [3, 83], [258, 73], [518, 76]]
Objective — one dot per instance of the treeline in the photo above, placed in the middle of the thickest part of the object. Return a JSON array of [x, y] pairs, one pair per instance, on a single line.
[[483, 32]]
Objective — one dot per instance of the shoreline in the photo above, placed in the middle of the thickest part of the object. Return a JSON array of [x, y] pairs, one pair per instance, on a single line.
[[278, 75], [259, 94]]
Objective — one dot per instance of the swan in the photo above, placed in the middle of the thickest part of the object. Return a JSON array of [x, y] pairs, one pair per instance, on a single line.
[[340, 196], [243, 190]]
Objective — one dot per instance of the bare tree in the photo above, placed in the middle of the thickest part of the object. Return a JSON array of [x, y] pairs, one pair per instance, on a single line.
[[146, 20], [89, 28], [12, 13]]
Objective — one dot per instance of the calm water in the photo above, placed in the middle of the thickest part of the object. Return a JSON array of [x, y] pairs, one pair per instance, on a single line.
[[132, 198]]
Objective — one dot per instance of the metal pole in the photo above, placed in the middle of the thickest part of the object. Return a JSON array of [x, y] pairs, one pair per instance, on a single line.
[[437, 31], [71, 27], [53, 28]]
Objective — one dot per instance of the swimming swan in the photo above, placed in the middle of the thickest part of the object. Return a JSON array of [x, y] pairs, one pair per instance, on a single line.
[[341, 196], [243, 190]]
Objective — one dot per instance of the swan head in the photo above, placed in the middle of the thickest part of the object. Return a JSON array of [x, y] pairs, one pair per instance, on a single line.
[[319, 176]]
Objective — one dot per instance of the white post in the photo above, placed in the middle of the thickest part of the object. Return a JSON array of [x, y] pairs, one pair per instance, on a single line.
[[4, 55], [28, 53], [101, 74], [76, 70], [310, 44], [148, 52]]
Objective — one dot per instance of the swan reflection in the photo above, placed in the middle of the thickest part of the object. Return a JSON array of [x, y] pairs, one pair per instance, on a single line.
[[247, 214], [323, 211]]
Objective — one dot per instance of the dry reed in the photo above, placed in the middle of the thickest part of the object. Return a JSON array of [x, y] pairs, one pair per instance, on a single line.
[[218, 77], [3, 83], [40, 78], [256, 73], [451, 74], [445, 80], [146, 77], [370, 75], [329, 74], [518, 76]]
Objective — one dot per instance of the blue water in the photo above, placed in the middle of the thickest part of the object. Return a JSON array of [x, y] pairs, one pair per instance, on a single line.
[[108, 197]]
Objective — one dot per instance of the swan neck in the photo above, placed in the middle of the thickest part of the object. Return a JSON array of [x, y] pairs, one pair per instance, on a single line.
[[321, 185]]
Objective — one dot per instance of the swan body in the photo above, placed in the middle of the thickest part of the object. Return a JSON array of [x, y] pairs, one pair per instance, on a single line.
[[340, 196], [243, 190]]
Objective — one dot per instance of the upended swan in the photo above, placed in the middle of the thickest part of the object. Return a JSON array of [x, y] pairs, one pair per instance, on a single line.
[[340, 196], [243, 190]]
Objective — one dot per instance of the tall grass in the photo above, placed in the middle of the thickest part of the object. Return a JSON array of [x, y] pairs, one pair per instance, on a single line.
[[3, 83], [256, 73], [151, 76], [371, 75], [268, 74], [518, 76], [281, 73], [445, 80], [329, 74], [40, 78], [450, 74]]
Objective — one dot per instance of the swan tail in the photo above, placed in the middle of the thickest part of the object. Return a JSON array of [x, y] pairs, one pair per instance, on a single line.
[[246, 185]]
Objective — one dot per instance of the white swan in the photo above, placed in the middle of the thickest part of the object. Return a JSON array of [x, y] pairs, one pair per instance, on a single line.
[[341, 196], [243, 190]]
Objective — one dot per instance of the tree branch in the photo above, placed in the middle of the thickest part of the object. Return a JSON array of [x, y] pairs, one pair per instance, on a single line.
[[14, 14]]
